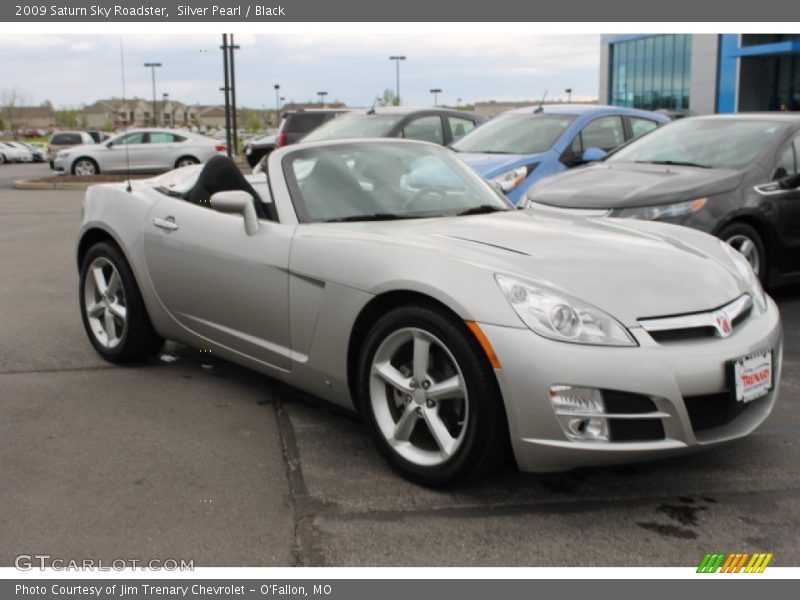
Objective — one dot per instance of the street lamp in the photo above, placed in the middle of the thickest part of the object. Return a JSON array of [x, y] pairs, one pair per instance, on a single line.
[[277, 104], [164, 98], [569, 95], [322, 98], [436, 92], [397, 60], [152, 67], [458, 102]]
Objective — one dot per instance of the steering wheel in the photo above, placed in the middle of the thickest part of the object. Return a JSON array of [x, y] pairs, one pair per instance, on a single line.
[[421, 194]]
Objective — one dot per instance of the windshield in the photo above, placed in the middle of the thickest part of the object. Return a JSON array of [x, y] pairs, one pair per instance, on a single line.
[[515, 134], [711, 143], [354, 126], [375, 181]]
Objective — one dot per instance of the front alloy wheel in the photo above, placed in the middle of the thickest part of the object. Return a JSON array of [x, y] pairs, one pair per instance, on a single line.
[[430, 397], [84, 167], [419, 397], [104, 302], [113, 312]]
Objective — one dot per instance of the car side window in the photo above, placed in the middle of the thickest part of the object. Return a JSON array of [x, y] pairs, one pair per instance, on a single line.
[[641, 126], [789, 160], [132, 138], [460, 127], [426, 129], [160, 137], [605, 133]]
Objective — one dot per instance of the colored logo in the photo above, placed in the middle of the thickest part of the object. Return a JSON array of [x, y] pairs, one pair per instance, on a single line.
[[723, 323], [738, 562]]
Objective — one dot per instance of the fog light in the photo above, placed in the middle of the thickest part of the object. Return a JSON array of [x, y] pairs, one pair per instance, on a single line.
[[578, 410]]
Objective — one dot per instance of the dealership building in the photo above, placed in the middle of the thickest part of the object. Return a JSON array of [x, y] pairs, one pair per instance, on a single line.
[[705, 73]]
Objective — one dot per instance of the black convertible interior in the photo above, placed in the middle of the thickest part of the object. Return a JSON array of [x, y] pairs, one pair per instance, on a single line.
[[220, 174]]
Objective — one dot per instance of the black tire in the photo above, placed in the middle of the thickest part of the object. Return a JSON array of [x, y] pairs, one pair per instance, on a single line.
[[737, 232], [486, 439], [139, 341], [2, 158], [86, 159], [185, 161]]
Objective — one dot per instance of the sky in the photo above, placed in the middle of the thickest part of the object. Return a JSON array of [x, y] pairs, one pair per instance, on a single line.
[[72, 70]]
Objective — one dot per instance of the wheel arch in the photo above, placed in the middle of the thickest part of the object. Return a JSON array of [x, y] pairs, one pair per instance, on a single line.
[[762, 227], [184, 156], [80, 158], [369, 315]]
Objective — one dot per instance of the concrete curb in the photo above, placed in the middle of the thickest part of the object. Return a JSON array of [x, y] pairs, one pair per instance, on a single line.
[[29, 184]]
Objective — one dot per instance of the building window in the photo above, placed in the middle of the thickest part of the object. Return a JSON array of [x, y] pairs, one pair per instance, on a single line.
[[651, 72]]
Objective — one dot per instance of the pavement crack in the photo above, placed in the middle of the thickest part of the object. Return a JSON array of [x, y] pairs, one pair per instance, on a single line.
[[304, 507]]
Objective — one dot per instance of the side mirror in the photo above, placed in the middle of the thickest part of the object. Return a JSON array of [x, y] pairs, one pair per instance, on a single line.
[[109, 144], [593, 155], [237, 202]]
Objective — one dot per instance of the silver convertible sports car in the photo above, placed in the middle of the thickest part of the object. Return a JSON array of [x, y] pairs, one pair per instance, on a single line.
[[387, 277]]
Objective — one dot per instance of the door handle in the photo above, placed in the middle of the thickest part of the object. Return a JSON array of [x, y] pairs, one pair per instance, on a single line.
[[167, 224]]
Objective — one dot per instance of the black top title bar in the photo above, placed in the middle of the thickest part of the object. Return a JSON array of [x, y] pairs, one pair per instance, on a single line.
[[380, 10]]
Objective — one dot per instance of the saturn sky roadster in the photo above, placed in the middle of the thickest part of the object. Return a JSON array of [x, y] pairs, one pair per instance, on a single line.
[[387, 277]]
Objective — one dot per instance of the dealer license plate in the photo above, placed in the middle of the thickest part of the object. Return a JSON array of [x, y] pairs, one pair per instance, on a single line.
[[752, 375]]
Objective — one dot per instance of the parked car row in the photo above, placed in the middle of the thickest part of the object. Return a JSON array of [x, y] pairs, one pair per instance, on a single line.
[[17, 151]]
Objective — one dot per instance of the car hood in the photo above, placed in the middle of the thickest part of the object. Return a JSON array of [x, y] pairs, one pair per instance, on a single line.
[[618, 185], [630, 269], [491, 165]]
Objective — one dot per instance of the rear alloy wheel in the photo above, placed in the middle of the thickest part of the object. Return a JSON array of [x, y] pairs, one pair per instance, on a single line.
[[430, 397], [743, 238], [85, 167], [2, 159], [186, 161], [112, 309]]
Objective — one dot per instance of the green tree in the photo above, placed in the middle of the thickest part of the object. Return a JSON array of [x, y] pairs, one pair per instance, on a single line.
[[251, 119], [389, 98], [108, 125], [84, 122]]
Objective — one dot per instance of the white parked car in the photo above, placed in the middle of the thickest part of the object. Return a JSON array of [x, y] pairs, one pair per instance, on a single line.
[[11, 153], [140, 150], [37, 153]]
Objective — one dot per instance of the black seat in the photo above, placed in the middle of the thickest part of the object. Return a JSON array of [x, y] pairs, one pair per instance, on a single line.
[[220, 174], [331, 190]]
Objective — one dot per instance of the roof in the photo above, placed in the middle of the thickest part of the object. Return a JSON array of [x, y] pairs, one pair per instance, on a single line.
[[406, 110], [790, 117], [563, 109], [30, 112]]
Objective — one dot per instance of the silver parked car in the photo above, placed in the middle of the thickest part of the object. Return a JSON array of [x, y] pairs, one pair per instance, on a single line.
[[140, 150], [388, 277], [11, 152]]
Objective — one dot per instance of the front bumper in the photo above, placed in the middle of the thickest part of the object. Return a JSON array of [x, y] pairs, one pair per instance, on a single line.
[[672, 375], [59, 164]]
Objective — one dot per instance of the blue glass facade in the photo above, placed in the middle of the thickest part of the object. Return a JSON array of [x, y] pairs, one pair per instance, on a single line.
[[650, 72]]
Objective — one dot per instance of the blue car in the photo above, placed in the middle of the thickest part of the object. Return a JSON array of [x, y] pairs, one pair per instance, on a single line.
[[521, 146]]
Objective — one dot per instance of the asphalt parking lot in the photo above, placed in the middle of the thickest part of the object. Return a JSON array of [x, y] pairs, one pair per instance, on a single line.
[[189, 457]]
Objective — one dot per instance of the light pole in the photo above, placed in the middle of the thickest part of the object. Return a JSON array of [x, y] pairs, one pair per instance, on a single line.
[[322, 98], [152, 67], [164, 98], [277, 104], [436, 92], [458, 102], [569, 95], [397, 60]]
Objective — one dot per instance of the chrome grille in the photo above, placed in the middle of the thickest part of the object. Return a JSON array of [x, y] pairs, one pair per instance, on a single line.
[[720, 322]]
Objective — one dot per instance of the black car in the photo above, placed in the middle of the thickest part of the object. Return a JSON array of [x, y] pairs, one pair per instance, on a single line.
[[734, 176], [438, 125], [295, 124]]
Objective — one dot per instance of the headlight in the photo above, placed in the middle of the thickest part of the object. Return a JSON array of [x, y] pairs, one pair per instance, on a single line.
[[745, 271], [511, 179], [62, 154], [665, 211], [559, 317]]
